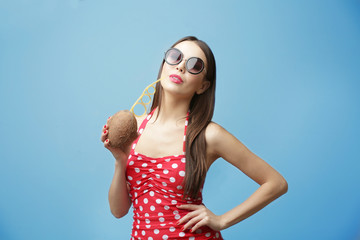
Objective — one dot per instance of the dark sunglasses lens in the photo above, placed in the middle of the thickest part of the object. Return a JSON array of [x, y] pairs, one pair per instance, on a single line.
[[173, 56], [195, 65]]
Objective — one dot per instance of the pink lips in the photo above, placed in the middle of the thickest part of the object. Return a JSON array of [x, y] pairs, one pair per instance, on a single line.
[[175, 79]]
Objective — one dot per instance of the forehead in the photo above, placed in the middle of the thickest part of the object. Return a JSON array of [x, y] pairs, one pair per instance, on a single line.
[[191, 49]]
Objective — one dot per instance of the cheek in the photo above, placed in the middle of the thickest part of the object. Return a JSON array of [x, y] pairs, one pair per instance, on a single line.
[[165, 70], [195, 80]]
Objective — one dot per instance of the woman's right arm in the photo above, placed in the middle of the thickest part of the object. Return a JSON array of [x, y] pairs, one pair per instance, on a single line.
[[119, 199]]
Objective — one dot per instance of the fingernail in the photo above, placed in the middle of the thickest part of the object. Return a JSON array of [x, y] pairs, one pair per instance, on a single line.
[[191, 230], [105, 126], [177, 223], [107, 140], [109, 117], [105, 131]]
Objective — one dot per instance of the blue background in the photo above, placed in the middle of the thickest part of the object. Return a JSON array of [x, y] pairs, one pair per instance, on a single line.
[[288, 88]]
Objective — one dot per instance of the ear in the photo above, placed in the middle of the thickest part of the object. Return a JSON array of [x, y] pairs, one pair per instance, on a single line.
[[204, 86]]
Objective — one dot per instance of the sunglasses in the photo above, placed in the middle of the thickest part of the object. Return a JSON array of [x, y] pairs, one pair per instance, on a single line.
[[194, 65]]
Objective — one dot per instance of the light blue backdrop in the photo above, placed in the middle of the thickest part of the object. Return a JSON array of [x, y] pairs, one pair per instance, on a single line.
[[288, 88]]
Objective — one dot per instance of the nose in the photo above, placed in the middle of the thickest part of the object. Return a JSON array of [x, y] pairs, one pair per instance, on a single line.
[[181, 66]]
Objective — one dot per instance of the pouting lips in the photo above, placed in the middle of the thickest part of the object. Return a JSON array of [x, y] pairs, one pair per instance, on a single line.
[[175, 78]]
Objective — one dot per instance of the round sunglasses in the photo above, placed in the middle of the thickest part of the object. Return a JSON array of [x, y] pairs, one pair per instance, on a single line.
[[174, 56]]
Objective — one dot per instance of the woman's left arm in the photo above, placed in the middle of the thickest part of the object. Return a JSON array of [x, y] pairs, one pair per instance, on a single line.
[[220, 143]]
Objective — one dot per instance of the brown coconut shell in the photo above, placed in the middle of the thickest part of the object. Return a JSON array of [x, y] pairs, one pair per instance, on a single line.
[[122, 129]]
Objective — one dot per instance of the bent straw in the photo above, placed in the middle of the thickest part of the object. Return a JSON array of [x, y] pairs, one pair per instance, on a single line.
[[140, 100]]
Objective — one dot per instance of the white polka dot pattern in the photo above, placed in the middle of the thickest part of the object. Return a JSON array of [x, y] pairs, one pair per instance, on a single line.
[[156, 187]]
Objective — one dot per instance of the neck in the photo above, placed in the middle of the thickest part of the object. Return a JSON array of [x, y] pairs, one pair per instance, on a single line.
[[172, 109]]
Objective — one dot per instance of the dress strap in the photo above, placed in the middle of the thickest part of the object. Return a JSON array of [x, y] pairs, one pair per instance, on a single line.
[[186, 124], [141, 129], [146, 120]]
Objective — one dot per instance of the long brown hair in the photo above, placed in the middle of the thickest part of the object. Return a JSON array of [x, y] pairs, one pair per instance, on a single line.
[[201, 113]]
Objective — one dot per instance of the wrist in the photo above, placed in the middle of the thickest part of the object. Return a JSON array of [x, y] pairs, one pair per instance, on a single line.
[[120, 163], [223, 222]]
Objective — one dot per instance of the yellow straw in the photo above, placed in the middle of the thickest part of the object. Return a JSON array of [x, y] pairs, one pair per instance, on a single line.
[[140, 100]]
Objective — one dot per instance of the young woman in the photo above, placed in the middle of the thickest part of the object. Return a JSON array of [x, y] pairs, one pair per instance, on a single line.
[[163, 172]]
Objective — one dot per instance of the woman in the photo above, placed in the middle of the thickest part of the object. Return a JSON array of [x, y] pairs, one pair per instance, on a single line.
[[178, 137]]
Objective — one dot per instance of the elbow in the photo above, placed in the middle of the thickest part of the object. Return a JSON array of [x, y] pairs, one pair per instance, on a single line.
[[119, 213], [279, 186], [283, 186], [119, 208]]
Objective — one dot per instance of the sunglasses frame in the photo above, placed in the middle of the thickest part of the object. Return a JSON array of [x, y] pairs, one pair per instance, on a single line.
[[186, 63]]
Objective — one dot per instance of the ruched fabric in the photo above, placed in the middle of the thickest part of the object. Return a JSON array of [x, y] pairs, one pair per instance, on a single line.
[[156, 187]]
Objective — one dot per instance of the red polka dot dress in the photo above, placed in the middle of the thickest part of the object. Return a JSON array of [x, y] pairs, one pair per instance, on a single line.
[[155, 190]]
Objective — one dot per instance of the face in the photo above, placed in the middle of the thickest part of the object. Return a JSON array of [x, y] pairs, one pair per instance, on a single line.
[[176, 79]]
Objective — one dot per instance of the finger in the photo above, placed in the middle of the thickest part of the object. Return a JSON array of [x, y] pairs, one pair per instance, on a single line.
[[108, 120], [190, 206], [198, 225], [192, 222], [104, 135], [107, 144], [187, 217]]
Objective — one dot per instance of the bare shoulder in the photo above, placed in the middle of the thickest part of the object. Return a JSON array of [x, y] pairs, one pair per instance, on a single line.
[[214, 136], [212, 133], [222, 144]]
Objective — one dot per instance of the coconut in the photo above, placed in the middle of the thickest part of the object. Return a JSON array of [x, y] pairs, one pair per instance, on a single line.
[[122, 129]]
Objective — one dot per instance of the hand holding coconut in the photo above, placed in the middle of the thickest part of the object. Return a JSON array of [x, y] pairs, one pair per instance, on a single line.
[[119, 132], [121, 129]]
